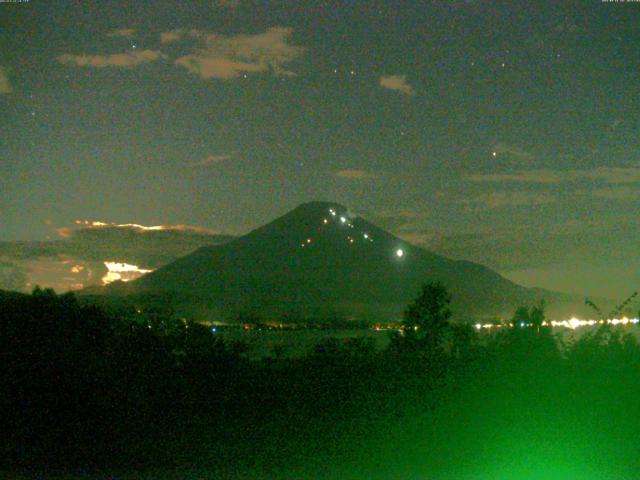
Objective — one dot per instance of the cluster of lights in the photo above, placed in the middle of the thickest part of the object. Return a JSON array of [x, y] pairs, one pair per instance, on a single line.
[[343, 221], [571, 324]]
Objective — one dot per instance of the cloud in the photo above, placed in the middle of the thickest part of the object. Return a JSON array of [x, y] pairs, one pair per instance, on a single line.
[[5, 84], [397, 83], [128, 59], [84, 226], [122, 32], [12, 276], [212, 160], [491, 200], [78, 259], [355, 174], [504, 149], [399, 220], [172, 36], [530, 176], [617, 193], [227, 57], [612, 175], [226, 3]]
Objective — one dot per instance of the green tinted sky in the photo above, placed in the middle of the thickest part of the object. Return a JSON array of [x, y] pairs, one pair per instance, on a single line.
[[504, 132]]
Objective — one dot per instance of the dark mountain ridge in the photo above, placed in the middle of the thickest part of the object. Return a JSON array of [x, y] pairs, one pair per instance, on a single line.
[[321, 259]]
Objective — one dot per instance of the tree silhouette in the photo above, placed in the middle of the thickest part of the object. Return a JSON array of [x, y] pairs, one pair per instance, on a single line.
[[521, 317], [426, 320]]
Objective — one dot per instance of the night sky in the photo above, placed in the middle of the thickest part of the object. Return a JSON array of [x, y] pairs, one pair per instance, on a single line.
[[501, 132]]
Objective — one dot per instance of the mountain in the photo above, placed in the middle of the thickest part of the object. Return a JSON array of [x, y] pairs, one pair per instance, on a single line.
[[321, 259]]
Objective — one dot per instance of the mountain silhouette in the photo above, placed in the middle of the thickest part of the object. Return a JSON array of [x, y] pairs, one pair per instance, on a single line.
[[320, 259]]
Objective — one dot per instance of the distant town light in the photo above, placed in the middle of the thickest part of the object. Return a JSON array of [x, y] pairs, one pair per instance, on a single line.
[[343, 220], [399, 253]]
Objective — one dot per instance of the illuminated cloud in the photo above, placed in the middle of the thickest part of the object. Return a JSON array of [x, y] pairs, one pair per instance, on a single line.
[[124, 272], [122, 32], [355, 174], [78, 259], [5, 84], [87, 224], [128, 59], [227, 57], [397, 83]]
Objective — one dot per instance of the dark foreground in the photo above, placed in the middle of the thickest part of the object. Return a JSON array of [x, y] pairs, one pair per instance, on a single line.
[[94, 394]]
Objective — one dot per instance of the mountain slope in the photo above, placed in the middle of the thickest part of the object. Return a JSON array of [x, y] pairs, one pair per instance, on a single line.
[[320, 258]]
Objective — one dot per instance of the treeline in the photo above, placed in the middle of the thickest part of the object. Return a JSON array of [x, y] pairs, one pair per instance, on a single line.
[[87, 390]]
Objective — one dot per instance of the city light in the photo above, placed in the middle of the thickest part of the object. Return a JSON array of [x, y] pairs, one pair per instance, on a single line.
[[399, 253], [570, 324]]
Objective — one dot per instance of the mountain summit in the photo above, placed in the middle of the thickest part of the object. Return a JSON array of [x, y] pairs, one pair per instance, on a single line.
[[321, 258]]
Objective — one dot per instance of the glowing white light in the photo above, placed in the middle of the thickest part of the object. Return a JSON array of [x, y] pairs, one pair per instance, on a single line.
[[325, 221], [399, 253], [574, 323], [343, 220], [308, 240], [122, 271], [366, 236]]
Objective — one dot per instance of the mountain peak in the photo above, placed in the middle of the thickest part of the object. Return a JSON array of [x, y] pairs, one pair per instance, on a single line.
[[318, 207]]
